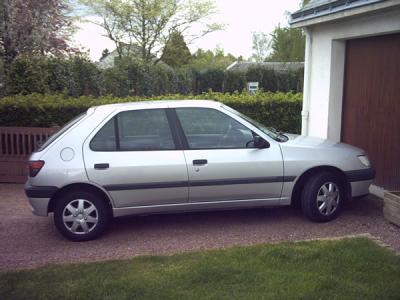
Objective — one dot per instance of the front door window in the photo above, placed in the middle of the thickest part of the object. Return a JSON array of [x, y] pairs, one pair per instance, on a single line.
[[207, 128]]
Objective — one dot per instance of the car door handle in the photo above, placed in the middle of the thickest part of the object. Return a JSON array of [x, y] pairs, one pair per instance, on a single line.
[[101, 166], [200, 162]]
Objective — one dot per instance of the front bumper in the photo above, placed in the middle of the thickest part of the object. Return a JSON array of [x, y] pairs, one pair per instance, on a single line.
[[360, 175], [39, 198], [360, 180]]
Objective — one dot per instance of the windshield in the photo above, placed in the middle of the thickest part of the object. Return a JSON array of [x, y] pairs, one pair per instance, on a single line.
[[271, 132], [55, 135]]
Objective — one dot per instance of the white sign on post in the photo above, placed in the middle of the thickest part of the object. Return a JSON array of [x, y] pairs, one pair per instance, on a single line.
[[252, 87]]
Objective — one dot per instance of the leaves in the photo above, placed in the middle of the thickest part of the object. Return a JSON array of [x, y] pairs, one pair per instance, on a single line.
[[141, 28], [77, 76], [34, 27], [176, 52], [261, 46], [288, 45], [279, 110]]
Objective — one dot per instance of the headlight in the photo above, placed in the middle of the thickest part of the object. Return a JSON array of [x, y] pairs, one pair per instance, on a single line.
[[364, 160]]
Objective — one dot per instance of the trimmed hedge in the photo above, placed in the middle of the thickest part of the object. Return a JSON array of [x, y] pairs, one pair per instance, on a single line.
[[280, 110], [78, 76]]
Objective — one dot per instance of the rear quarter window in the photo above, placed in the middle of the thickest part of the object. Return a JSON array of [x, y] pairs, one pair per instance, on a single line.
[[58, 133]]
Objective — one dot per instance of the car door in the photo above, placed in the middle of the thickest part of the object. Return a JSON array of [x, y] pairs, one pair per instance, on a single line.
[[223, 164], [134, 156]]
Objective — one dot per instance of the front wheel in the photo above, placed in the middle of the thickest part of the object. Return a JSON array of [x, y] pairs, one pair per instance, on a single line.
[[81, 216], [322, 197]]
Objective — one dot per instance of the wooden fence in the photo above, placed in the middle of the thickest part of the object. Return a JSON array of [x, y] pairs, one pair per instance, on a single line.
[[16, 145]]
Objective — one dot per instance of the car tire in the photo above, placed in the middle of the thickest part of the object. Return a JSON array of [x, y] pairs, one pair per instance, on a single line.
[[322, 197], [81, 216]]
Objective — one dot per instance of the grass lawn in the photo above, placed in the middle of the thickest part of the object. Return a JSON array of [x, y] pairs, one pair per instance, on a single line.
[[354, 268]]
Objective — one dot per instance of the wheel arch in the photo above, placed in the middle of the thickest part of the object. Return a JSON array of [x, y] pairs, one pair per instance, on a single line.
[[79, 187], [301, 181]]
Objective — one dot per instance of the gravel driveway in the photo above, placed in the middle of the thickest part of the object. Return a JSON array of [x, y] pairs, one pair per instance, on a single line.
[[28, 241]]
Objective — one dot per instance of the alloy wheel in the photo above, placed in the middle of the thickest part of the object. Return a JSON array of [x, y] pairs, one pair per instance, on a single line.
[[328, 198]]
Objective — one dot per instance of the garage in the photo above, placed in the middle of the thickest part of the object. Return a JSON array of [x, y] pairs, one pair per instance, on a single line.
[[352, 79], [371, 103]]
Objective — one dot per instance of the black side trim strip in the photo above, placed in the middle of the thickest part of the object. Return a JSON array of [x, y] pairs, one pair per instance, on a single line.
[[40, 191], [237, 181], [161, 185], [360, 175], [289, 178], [141, 186]]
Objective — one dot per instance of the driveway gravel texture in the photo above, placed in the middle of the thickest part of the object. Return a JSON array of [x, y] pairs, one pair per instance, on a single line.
[[28, 241]]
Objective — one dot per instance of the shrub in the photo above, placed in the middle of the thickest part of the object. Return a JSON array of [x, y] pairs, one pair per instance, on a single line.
[[268, 79], [280, 110], [235, 81], [77, 76], [211, 79]]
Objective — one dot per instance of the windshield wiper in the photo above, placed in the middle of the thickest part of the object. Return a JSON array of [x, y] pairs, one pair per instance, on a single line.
[[280, 136]]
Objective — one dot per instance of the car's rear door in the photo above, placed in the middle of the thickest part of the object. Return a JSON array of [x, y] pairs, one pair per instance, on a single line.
[[134, 156], [222, 163]]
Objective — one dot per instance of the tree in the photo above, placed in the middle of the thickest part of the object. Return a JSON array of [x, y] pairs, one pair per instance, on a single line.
[[288, 44], [33, 27], [176, 52], [149, 24], [261, 46], [202, 60], [104, 53]]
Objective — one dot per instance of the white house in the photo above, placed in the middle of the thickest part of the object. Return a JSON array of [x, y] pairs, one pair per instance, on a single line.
[[352, 78]]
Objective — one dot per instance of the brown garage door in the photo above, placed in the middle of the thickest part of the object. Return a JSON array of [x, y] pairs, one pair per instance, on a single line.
[[371, 103]]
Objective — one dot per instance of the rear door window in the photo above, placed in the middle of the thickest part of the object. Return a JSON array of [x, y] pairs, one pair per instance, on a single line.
[[105, 139], [135, 130]]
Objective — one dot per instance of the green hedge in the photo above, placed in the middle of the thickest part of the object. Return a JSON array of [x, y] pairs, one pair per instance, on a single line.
[[77, 76], [280, 110]]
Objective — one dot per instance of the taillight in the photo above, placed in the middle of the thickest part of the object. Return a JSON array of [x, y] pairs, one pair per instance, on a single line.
[[34, 167]]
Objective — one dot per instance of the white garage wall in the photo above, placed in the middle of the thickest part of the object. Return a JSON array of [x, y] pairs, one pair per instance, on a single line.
[[324, 67]]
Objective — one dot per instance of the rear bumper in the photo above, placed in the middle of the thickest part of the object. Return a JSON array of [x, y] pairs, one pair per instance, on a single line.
[[360, 180], [39, 198], [39, 206]]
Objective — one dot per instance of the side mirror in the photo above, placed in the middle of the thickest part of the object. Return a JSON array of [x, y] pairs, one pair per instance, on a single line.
[[260, 143]]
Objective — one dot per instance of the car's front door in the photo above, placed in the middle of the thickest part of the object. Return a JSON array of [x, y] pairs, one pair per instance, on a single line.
[[135, 158], [223, 164]]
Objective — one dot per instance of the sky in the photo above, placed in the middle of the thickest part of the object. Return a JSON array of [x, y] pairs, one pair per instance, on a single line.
[[241, 19]]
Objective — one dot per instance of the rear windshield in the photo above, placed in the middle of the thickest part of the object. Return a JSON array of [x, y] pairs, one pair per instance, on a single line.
[[55, 135]]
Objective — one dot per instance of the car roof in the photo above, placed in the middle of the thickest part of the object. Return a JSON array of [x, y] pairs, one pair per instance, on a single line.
[[157, 104]]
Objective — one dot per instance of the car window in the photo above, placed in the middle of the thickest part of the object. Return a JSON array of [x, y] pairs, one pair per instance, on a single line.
[[58, 133], [138, 130], [105, 140], [145, 130], [207, 128], [271, 132]]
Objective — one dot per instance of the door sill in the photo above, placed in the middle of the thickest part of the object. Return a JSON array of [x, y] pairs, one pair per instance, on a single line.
[[198, 206]]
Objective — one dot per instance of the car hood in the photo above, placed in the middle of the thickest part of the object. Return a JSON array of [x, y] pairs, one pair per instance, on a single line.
[[302, 141]]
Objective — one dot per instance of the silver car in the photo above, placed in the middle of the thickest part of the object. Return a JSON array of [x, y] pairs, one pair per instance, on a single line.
[[188, 155]]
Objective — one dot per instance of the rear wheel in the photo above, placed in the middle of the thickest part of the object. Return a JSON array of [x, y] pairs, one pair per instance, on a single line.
[[322, 197], [81, 216]]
